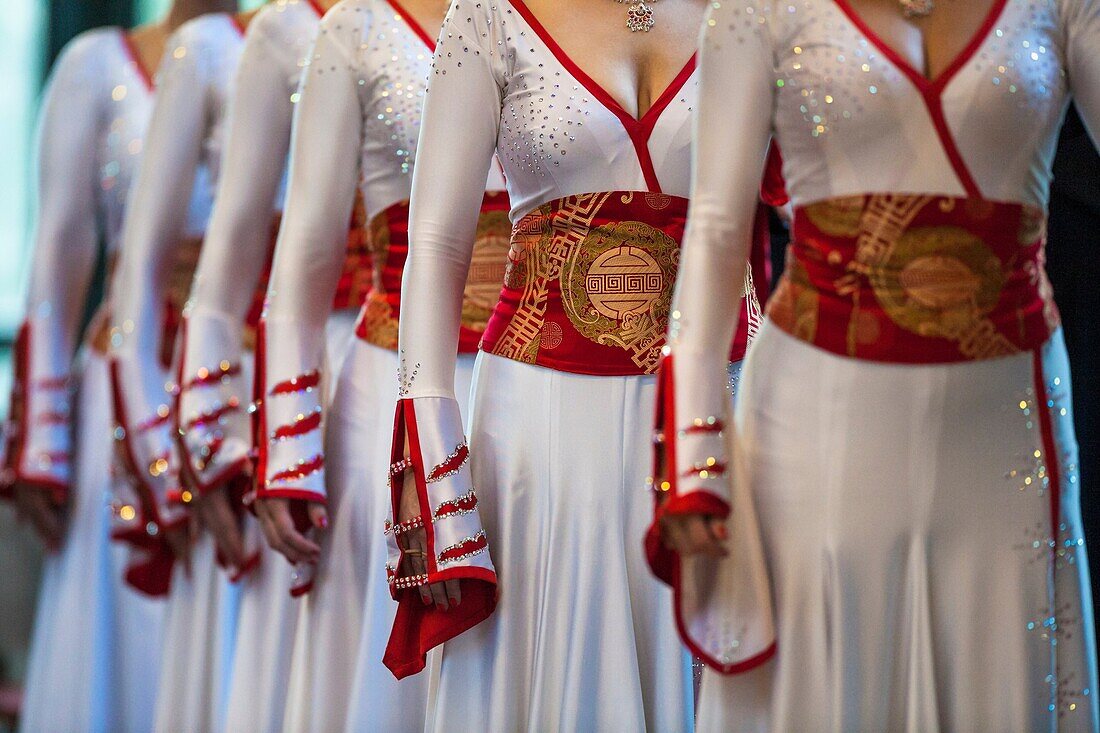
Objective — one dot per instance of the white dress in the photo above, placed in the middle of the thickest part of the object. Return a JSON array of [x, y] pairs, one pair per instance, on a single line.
[[355, 136], [904, 424], [169, 209], [87, 669], [562, 404], [217, 365]]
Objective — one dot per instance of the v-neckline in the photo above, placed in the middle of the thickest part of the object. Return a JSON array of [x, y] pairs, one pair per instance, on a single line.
[[649, 118], [135, 58], [317, 8], [938, 81], [413, 24]]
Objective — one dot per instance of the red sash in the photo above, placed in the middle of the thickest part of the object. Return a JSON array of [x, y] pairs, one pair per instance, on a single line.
[[589, 285], [389, 246], [917, 279]]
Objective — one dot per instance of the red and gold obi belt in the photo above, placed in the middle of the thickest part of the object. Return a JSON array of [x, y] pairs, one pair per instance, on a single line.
[[589, 284], [388, 237], [917, 279], [355, 278]]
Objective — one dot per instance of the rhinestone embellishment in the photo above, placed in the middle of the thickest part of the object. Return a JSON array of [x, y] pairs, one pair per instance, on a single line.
[[639, 15]]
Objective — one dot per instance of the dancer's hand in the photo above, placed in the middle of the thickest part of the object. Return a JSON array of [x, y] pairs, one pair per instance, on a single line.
[[277, 521], [216, 514], [695, 534], [47, 518], [444, 595], [179, 540]]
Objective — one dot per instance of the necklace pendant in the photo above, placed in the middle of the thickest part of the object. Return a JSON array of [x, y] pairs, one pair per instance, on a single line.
[[917, 8], [639, 17]]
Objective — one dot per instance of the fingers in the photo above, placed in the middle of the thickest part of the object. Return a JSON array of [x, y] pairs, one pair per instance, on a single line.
[[318, 516], [454, 592], [179, 542], [278, 527], [695, 534], [44, 517], [221, 520], [702, 540]]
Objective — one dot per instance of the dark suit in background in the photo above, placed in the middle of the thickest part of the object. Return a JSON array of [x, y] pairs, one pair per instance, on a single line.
[[1073, 261]]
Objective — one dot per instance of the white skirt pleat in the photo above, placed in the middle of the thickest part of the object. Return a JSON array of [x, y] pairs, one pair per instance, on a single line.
[[906, 517], [339, 680], [583, 638], [96, 642], [269, 615], [199, 640]]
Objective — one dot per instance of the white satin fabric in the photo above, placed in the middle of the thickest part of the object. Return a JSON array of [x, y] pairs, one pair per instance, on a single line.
[[919, 582], [355, 128], [171, 198], [583, 637], [96, 645], [87, 669], [235, 250], [339, 682], [905, 521]]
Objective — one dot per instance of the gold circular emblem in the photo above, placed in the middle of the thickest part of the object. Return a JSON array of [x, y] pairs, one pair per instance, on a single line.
[[939, 281], [550, 336], [617, 284]]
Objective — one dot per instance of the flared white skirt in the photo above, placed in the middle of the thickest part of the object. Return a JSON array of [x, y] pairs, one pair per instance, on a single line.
[[923, 537], [269, 615], [96, 642], [339, 680], [583, 638]]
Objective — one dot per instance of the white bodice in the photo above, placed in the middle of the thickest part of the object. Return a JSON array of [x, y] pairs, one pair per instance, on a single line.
[[558, 132], [386, 57], [852, 116], [126, 98]]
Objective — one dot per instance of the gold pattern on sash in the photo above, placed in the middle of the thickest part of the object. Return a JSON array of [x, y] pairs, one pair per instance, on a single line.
[[487, 269], [615, 279], [796, 302], [933, 281], [377, 319]]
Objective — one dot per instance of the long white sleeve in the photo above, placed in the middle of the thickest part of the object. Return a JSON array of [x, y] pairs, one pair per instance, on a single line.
[[1082, 27], [458, 137], [309, 258], [153, 232], [64, 255], [723, 607], [706, 305], [215, 431]]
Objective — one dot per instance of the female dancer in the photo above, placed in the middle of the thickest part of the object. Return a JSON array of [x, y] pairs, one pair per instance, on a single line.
[[355, 130], [215, 432], [904, 423], [87, 671], [169, 207], [597, 171]]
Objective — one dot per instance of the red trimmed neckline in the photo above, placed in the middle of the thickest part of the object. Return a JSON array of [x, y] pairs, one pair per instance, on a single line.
[[135, 59], [413, 24], [931, 88], [923, 82], [638, 128], [236, 21], [317, 8]]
